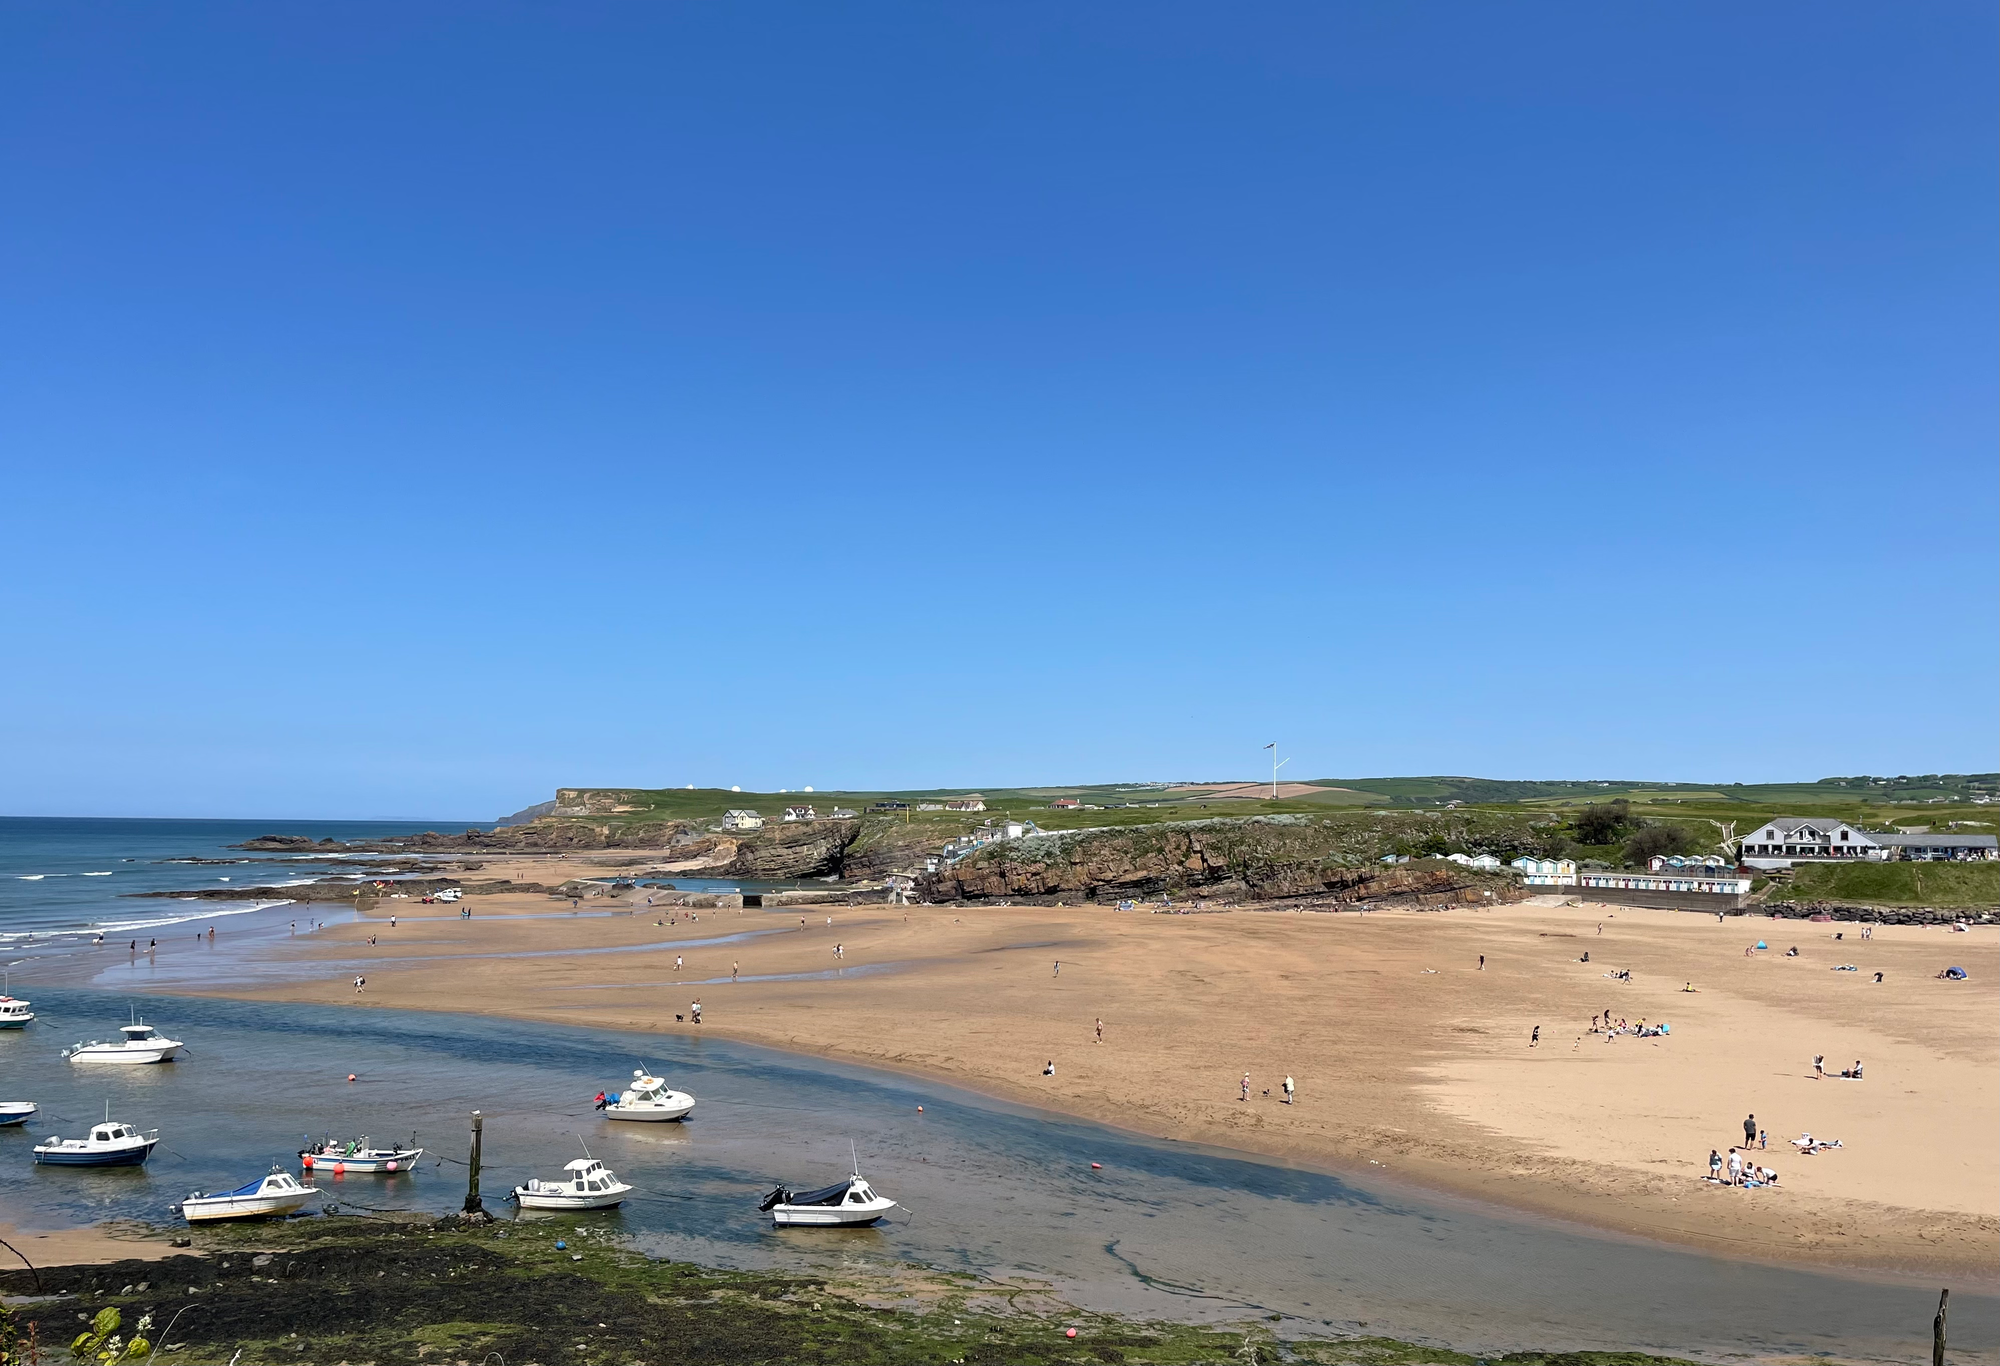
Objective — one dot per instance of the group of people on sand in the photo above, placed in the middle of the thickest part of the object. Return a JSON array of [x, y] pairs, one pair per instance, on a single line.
[[1738, 1169], [1611, 1028], [1849, 1073]]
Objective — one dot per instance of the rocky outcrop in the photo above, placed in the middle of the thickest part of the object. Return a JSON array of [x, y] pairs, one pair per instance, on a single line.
[[1259, 858], [800, 849]]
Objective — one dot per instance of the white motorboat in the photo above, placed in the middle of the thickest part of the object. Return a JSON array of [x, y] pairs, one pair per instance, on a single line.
[[17, 1111], [649, 1098], [342, 1158], [589, 1185], [14, 1013], [267, 1197], [110, 1144], [848, 1204], [142, 1043]]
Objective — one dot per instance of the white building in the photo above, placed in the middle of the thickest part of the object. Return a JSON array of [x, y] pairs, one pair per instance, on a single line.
[[1784, 840], [742, 820], [1929, 848], [801, 813], [973, 803], [1546, 872], [1486, 863]]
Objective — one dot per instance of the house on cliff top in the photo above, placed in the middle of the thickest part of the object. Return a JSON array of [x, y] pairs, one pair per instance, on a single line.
[[742, 820]]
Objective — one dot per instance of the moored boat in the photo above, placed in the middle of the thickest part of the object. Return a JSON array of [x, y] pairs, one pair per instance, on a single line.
[[14, 1013], [17, 1111], [267, 1197], [141, 1044], [852, 1203], [342, 1158], [110, 1144], [588, 1184], [649, 1099]]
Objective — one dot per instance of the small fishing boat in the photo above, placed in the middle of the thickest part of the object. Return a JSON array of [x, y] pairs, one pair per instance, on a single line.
[[649, 1098], [848, 1204], [142, 1044], [267, 1197], [17, 1111], [14, 1013], [589, 1184], [342, 1158], [110, 1144]]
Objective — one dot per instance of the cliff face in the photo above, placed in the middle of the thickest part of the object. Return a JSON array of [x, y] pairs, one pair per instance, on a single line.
[[1262, 857]]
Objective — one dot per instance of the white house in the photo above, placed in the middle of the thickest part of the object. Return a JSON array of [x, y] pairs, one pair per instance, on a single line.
[[801, 813], [973, 803], [1546, 872], [1691, 862], [742, 820], [841, 813], [1486, 863], [1784, 840]]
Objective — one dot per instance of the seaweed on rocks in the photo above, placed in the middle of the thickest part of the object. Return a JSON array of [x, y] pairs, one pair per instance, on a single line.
[[356, 1289]]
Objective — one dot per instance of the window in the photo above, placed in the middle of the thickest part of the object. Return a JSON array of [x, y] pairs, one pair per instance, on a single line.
[[1843, 834]]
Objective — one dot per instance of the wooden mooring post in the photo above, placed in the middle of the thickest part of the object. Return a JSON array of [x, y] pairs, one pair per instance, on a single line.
[[1937, 1330], [472, 1205]]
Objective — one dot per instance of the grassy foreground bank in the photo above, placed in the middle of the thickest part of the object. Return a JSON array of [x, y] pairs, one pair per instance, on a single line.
[[1899, 884], [361, 1290]]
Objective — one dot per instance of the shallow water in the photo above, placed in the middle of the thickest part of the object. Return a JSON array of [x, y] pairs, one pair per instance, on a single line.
[[1162, 1229]]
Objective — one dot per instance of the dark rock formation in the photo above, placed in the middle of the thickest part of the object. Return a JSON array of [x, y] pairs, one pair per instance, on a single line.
[[1263, 857]]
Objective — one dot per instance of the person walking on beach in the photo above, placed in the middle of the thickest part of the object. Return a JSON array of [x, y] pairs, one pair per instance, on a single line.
[[678, 960], [1100, 1029], [1482, 962], [1819, 1064], [1246, 1087], [1535, 1039], [1289, 1088], [1714, 1165], [1749, 1131], [733, 968], [694, 1012], [1735, 1167]]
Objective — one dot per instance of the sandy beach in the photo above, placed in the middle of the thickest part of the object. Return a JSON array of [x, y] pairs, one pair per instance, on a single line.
[[1410, 1058]]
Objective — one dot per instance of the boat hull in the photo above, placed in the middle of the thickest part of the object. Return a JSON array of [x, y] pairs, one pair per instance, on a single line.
[[595, 1200], [217, 1209], [129, 1057], [677, 1109], [15, 1021], [17, 1113], [831, 1216], [401, 1160], [121, 1157]]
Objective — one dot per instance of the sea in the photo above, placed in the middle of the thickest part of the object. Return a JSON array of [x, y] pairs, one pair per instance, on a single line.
[[1109, 1219]]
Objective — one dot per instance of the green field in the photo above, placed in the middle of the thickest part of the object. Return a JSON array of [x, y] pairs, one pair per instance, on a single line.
[[1897, 884]]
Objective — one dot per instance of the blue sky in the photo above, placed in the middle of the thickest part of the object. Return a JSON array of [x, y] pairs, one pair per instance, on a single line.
[[406, 409]]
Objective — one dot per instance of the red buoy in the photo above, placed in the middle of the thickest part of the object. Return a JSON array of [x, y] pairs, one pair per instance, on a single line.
[[350, 1076], [1097, 1166], [340, 1169], [392, 1164]]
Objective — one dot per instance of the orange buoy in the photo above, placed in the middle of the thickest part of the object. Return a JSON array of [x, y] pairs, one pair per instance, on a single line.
[[920, 1109], [350, 1076], [1097, 1166], [1069, 1332], [308, 1161], [340, 1169], [392, 1164]]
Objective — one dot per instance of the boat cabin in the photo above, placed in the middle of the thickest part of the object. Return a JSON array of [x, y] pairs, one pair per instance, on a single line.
[[113, 1133], [588, 1174], [139, 1033]]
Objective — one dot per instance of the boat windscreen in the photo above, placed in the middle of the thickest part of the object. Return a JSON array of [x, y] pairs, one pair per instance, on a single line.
[[250, 1189], [832, 1195]]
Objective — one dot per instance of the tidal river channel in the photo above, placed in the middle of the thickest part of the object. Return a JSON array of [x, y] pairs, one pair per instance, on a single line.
[[1160, 1229]]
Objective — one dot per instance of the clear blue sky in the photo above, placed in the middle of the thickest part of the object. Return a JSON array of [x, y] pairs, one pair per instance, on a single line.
[[408, 408]]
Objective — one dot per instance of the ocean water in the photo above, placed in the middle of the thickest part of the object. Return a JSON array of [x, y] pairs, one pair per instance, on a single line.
[[1159, 1229], [64, 878]]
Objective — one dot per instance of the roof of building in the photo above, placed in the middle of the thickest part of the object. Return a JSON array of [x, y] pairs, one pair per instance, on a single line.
[[1937, 841], [1787, 824]]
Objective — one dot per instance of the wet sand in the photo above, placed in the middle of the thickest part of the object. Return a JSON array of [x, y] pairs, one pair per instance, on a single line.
[[1410, 1059]]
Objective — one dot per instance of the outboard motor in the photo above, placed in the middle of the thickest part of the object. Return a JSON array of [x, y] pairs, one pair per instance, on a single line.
[[780, 1196]]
